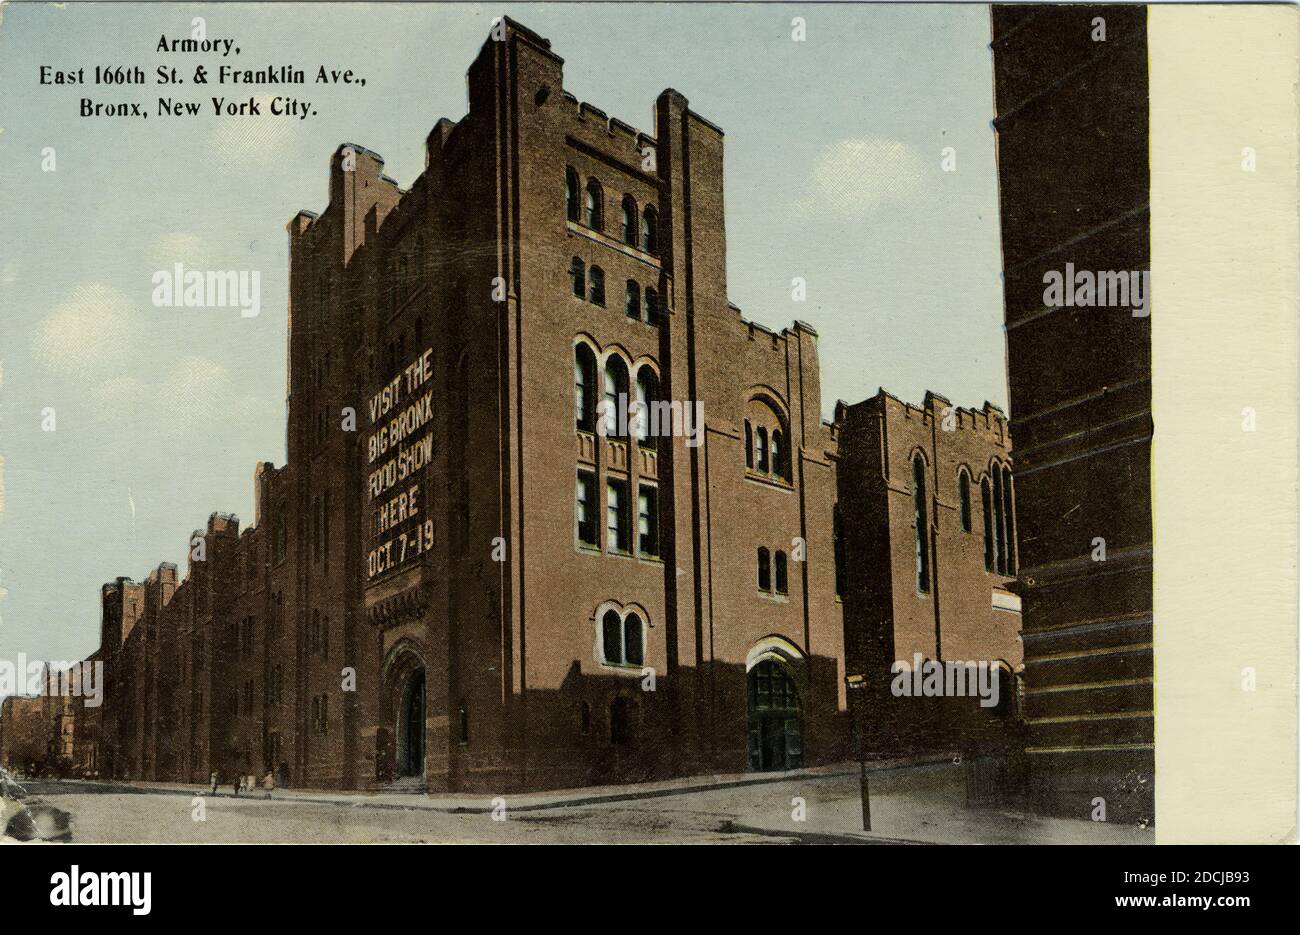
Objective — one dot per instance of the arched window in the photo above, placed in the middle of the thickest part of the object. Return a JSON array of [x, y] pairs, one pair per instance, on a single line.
[[596, 288], [578, 277], [594, 215], [1008, 522], [611, 634], [749, 445], [986, 502], [632, 301], [963, 499], [650, 229], [571, 194], [999, 523], [778, 453], [584, 388], [615, 392], [764, 570], [1006, 690], [782, 574], [919, 509], [837, 537], [651, 306], [647, 393], [622, 639], [628, 224], [762, 451], [633, 641]]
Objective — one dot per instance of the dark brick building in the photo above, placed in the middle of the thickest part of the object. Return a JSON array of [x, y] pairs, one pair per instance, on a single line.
[[927, 517], [466, 576], [1075, 187]]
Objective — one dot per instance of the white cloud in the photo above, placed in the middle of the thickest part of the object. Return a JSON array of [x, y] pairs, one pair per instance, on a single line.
[[89, 331], [180, 247], [195, 395], [854, 176]]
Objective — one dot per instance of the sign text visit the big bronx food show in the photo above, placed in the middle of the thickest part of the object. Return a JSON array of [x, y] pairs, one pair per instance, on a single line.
[[399, 448]]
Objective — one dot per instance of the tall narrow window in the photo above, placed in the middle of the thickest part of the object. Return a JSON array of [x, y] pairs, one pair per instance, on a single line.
[[647, 522], [616, 536], [578, 277], [963, 499], [764, 466], [782, 574], [463, 715], [837, 536], [999, 524], [650, 230], [593, 214], [749, 445], [647, 419], [986, 502], [611, 637], [628, 225], [571, 194], [778, 453], [584, 388], [632, 301], [920, 515], [633, 641], [764, 570], [651, 308], [1008, 522], [586, 509], [615, 397], [596, 288]]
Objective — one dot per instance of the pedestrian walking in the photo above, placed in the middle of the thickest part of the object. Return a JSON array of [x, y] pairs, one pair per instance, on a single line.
[[213, 781]]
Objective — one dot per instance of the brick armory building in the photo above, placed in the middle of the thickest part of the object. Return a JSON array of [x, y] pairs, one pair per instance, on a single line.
[[466, 576]]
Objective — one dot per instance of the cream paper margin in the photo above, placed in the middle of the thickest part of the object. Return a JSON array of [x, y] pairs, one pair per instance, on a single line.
[[1224, 255]]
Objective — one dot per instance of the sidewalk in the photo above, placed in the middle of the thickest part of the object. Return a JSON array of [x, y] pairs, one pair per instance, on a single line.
[[481, 803], [927, 805]]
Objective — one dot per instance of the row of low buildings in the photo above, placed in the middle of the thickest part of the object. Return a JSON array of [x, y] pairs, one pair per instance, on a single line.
[[480, 588], [466, 578]]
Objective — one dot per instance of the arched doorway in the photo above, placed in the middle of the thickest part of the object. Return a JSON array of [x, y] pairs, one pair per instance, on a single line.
[[775, 718], [410, 730]]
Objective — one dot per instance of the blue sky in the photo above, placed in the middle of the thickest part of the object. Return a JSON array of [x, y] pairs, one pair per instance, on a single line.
[[833, 174]]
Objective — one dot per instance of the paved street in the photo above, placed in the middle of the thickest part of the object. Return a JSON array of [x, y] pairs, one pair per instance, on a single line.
[[925, 804]]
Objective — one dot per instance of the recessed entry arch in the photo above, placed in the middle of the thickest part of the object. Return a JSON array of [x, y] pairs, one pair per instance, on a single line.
[[775, 673]]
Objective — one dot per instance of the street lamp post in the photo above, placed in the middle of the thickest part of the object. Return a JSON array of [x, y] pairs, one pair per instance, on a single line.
[[857, 685]]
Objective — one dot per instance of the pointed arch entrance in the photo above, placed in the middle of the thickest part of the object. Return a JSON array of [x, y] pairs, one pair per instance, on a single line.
[[410, 744], [400, 743], [774, 705]]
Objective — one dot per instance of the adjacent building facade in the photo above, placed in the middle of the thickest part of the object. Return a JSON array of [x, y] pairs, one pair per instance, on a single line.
[[1071, 99], [554, 513], [926, 515]]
